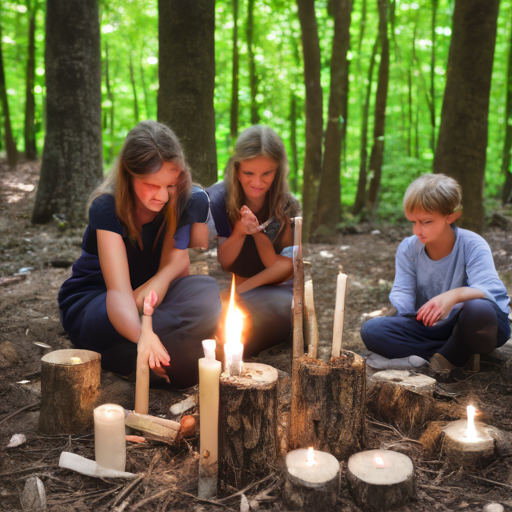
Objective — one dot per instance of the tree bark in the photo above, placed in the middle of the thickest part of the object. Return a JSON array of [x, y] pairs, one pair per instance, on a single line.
[[29, 131], [233, 130], [507, 143], [253, 77], [462, 140], [110, 96], [72, 157], [186, 73], [134, 90], [377, 154], [314, 113], [328, 207], [432, 103]]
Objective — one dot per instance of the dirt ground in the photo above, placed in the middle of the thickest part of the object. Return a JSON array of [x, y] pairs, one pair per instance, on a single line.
[[35, 260]]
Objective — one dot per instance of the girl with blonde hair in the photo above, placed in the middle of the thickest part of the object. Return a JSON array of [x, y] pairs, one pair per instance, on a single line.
[[141, 221]]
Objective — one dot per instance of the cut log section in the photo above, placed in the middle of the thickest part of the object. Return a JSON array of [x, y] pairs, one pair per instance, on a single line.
[[328, 410], [380, 479], [70, 381], [158, 429], [315, 488], [247, 425], [403, 399]]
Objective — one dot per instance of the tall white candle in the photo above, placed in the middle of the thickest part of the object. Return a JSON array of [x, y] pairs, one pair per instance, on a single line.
[[109, 437]]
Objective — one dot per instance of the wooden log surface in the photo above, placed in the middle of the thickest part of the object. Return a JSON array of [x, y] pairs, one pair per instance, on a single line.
[[329, 410], [247, 425], [158, 429], [402, 398], [69, 391]]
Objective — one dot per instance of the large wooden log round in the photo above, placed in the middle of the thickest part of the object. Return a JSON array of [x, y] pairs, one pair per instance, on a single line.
[[459, 450], [328, 409], [380, 486], [403, 399], [69, 390], [247, 425], [313, 488]]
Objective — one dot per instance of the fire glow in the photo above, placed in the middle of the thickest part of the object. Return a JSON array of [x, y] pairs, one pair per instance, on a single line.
[[379, 462], [310, 459], [234, 348], [470, 429], [75, 360]]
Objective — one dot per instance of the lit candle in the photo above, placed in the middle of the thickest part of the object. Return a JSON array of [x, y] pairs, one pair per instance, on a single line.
[[209, 374], [75, 360], [310, 459], [379, 462], [470, 429], [233, 348], [109, 437]]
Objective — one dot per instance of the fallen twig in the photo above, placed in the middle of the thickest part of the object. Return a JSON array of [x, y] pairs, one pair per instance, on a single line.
[[245, 489], [10, 415], [26, 470], [127, 490], [490, 481], [397, 432]]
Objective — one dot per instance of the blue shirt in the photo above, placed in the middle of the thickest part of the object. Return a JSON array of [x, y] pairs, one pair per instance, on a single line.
[[418, 278]]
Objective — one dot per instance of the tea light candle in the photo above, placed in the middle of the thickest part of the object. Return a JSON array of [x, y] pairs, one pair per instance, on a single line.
[[109, 437], [312, 480], [380, 479], [75, 360], [233, 348]]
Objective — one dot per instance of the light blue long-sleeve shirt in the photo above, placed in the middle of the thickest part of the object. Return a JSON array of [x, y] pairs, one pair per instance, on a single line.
[[418, 278]]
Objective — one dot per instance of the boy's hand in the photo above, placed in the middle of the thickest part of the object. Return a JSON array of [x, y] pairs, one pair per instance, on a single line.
[[437, 308]]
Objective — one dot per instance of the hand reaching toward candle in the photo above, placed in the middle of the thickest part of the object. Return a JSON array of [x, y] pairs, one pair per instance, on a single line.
[[248, 221]]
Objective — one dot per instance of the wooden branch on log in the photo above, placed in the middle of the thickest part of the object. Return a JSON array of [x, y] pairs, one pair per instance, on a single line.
[[158, 429], [339, 314], [310, 322], [298, 291]]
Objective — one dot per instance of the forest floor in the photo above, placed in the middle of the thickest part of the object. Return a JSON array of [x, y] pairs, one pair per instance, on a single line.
[[34, 262]]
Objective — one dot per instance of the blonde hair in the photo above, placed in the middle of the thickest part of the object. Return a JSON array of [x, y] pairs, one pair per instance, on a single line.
[[433, 193], [146, 148], [253, 142]]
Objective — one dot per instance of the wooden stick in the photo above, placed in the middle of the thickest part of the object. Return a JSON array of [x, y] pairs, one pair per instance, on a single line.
[[339, 314], [310, 322], [298, 291], [159, 429], [142, 387]]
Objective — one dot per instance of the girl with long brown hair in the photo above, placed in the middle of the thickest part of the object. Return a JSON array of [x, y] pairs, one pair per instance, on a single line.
[[141, 221], [253, 212]]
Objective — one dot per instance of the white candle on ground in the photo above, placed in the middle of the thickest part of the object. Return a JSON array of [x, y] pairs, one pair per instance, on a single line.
[[75, 360], [233, 348], [109, 437]]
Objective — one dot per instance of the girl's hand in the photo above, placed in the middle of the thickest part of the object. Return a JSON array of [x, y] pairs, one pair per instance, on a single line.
[[249, 220], [437, 308]]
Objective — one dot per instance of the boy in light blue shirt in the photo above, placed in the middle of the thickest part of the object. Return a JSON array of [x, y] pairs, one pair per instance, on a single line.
[[449, 299]]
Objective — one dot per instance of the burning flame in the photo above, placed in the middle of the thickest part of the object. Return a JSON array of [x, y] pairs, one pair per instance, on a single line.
[[108, 413], [379, 462], [310, 460], [234, 319], [75, 360], [471, 430]]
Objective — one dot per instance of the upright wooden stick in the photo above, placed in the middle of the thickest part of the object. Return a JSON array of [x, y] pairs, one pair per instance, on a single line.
[[310, 322], [339, 314], [298, 291]]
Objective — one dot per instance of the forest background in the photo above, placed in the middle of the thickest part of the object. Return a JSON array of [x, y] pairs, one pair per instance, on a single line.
[[269, 87]]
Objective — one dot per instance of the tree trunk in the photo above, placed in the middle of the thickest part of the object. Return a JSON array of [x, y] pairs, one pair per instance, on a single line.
[[110, 96], [186, 73], [462, 140], [328, 208], [29, 131], [134, 90], [377, 154], [314, 113], [253, 77], [432, 103], [10, 143], [507, 144], [293, 143], [144, 87], [360, 199], [72, 157], [233, 130]]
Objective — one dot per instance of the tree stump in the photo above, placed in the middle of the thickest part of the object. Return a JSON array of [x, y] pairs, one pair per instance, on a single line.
[[313, 488], [69, 391], [402, 398], [329, 410], [247, 425], [383, 486]]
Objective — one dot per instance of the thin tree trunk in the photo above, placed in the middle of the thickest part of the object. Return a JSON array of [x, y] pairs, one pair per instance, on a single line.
[[377, 155], [432, 77], [233, 126], [409, 111], [314, 114], [110, 96], [253, 77], [134, 90], [462, 142], [293, 143], [328, 208], [10, 143], [360, 199], [29, 130], [72, 157], [144, 87], [186, 73], [507, 144]]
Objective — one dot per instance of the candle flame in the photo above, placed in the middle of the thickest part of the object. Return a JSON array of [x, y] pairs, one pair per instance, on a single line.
[[310, 459], [379, 462], [75, 360], [234, 319], [471, 430], [108, 412]]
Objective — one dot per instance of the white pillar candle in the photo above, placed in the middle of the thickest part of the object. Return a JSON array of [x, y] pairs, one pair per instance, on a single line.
[[109, 437], [209, 375]]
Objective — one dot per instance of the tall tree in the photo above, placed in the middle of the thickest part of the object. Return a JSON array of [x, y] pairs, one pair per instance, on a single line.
[[432, 102], [72, 156], [462, 140], [507, 143], [377, 154], [253, 76], [186, 73], [328, 208], [134, 89], [314, 114], [29, 131], [233, 125]]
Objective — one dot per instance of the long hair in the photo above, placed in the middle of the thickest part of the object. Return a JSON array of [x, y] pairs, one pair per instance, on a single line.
[[146, 148], [257, 141]]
